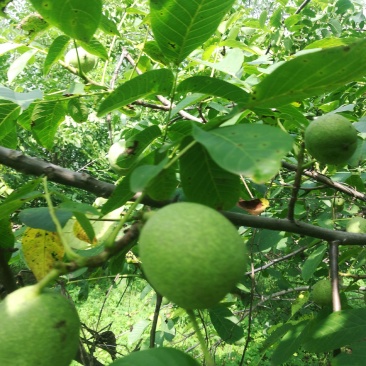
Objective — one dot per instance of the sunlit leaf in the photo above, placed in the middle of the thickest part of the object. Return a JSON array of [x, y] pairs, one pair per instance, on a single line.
[[55, 52], [9, 112], [19, 64], [108, 26], [180, 27], [152, 82], [46, 118], [313, 73], [289, 344], [78, 19], [338, 329], [22, 99]]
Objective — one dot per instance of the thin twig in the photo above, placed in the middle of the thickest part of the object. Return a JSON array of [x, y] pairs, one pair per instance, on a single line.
[[302, 6], [6, 276], [247, 341], [297, 184], [333, 259], [154, 324], [162, 99], [327, 181], [277, 260], [112, 84]]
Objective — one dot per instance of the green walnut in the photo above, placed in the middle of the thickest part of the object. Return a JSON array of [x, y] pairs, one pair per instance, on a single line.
[[321, 293], [192, 254], [356, 225], [38, 328], [116, 155], [87, 60], [331, 139]]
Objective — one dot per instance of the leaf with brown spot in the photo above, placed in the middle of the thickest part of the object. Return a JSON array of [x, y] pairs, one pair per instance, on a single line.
[[41, 250]]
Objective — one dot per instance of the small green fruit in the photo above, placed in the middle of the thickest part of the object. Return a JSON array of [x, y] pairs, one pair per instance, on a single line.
[[38, 329], [356, 225], [87, 60], [339, 201], [321, 293], [192, 254], [117, 154], [331, 139]]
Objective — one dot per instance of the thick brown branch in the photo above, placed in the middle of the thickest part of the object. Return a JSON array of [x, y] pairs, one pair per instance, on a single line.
[[28, 165], [296, 227], [33, 166]]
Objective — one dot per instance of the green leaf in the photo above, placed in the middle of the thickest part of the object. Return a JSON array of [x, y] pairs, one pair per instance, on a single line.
[[254, 151], [161, 356], [83, 208], [46, 118], [312, 73], [203, 181], [181, 27], [9, 46], [19, 64], [156, 180], [78, 19], [265, 239], [119, 197], [55, 52], [86, 225], [276, 18], [144, 174], [354, 358], [95, 47], [289, 343], [22, 99], [19, 197], [213, 86], [338, 329], [7, 238], [152, 82], [108, 26], [164, 185], [9, 112], [312, 262], [226, 324], [40, 218], [137, 331], [152, 49]]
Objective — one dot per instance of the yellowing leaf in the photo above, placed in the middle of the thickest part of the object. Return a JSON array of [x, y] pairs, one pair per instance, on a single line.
[[80, 233], [41, 250]]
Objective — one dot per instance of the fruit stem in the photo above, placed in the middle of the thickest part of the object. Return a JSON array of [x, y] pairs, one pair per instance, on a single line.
[[112, 237], [45, 281], [206, 353], [68, 250]]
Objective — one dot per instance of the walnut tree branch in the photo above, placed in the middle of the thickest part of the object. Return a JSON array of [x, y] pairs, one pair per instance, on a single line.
[[327, 181], [33, 166]]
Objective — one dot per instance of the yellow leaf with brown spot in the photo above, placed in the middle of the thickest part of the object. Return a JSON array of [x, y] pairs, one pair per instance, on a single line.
[[41, 250]]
